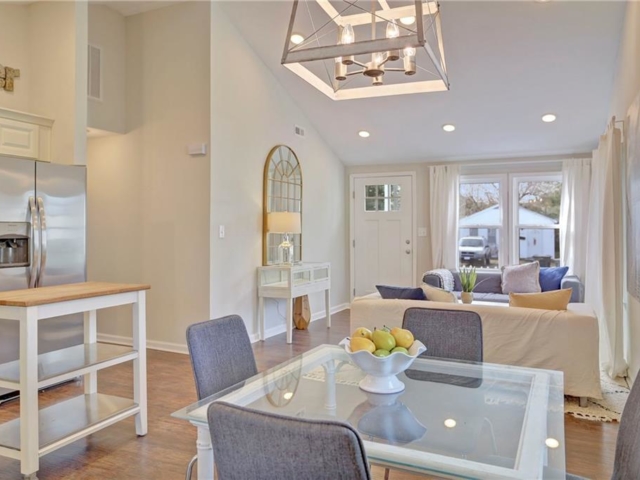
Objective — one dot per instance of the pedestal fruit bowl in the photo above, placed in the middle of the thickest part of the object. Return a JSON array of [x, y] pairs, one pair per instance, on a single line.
[[382, 370]]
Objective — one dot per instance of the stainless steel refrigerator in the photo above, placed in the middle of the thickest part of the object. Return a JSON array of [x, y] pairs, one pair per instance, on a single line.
[[42, 243]]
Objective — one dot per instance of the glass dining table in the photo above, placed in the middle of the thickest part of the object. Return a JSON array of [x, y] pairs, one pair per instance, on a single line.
[[453, 419]]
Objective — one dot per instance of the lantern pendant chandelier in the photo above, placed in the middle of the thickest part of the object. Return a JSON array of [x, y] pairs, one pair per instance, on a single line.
[[352, 49]]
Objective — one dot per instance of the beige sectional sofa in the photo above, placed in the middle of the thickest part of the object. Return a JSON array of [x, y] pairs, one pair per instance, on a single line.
[[555, 340]]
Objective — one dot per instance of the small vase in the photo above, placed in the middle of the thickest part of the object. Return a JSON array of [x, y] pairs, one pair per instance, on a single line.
[[466, 297]]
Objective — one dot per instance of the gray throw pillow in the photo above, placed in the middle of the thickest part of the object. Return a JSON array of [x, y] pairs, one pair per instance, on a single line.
[[521, 278]]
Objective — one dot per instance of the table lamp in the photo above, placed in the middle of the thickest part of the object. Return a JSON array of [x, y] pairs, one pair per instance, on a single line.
[[287, 223]]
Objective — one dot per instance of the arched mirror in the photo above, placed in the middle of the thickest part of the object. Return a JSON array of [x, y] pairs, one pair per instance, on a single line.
[[282, 194]]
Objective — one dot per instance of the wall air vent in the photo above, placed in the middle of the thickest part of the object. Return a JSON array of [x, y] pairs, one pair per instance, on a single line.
[[299, 131], [94, 76]]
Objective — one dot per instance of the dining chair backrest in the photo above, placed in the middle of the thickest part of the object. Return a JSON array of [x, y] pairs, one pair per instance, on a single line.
[[450, 334], [221, 354], [251, 444], [627, 459]]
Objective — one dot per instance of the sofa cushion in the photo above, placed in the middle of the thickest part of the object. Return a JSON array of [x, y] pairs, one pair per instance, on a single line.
[[435, 294], [488, 282], [555, 300], [403, 293], [551, 278], [523, 278]]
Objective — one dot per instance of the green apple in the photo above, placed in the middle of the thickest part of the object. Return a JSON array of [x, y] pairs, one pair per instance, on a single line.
[[381, 353], [400, 350], [383, 340]]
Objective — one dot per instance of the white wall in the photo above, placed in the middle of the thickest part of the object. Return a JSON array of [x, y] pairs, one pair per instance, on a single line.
[[148, 201], [14, 39], [250, 113], [58, 74], [626, 87], [107, 31]]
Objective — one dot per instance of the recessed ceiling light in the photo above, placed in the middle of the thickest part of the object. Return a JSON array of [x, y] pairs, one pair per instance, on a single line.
[[450, 423], [448, 127], [364, 134], [288, 395], [552, 443], [548, 118], [407, 20], [297, 39]]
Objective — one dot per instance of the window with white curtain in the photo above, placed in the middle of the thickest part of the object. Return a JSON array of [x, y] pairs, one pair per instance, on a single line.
[[509, 219]]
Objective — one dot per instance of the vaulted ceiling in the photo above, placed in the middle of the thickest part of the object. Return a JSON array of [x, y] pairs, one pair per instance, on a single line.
[[509, 63]]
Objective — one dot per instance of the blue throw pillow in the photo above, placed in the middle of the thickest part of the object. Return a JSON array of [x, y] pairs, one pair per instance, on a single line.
[[403, 293], [550, 278]]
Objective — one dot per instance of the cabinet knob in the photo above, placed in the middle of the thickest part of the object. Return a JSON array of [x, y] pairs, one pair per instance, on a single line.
[[407, 251]]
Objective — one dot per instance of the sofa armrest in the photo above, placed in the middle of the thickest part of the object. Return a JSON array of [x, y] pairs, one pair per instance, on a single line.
[[432, 279], [573, 282]]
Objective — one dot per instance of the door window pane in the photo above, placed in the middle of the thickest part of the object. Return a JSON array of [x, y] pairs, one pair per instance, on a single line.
[[540, 244], [382, 198], [479, 247]]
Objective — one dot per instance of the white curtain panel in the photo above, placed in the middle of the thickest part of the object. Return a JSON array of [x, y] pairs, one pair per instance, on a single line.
[[443, 206], [603, 275], [574, 214]]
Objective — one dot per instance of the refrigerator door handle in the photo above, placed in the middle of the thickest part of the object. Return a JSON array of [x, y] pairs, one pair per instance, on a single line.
[[43, 239], [35, 244]]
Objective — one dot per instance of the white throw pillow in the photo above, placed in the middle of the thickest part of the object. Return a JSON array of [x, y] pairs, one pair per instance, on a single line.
[[436, 294], [521, 278]]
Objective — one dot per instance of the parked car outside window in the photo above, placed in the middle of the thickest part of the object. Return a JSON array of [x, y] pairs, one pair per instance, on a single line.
[[475, 249]]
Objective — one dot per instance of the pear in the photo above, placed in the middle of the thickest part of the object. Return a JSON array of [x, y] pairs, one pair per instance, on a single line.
[[381, 353], [362, 332], [361, 343], [383, 340], [404, 338]]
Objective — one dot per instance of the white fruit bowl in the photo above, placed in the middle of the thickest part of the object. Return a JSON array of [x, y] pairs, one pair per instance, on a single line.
[[381, 371]]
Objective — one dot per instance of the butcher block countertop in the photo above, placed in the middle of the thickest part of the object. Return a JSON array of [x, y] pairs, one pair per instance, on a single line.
[[62, 293]]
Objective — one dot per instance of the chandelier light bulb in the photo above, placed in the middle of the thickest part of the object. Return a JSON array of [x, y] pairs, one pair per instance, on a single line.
[[409, 52], [378, 58], [392, 29], [348, 36], [407, 20], [297, 39]]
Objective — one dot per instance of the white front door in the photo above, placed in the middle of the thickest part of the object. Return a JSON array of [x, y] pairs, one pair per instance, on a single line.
[[383, 232]]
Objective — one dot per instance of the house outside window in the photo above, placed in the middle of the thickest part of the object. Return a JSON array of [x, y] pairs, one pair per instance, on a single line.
[[509, 219]]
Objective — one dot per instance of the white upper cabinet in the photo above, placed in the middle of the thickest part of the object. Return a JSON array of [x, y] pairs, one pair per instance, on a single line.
[[25, 135]]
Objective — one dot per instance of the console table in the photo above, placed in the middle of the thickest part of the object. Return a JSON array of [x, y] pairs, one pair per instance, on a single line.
[[289, 282], [39, 432]]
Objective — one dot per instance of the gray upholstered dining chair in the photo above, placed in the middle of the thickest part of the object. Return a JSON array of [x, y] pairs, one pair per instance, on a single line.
[[221, 356], [248, 444], [450, 334]]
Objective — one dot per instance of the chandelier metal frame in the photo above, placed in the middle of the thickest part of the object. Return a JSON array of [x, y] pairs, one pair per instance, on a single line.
[[294, 56]]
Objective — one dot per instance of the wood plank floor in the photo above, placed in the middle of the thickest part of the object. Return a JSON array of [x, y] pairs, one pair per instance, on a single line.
[[116, 452]]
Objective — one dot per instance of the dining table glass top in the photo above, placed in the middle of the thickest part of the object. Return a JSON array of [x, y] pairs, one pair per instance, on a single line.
[[454, 418]]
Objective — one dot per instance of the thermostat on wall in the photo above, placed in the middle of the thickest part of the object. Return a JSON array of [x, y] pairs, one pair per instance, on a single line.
[[197, 149]]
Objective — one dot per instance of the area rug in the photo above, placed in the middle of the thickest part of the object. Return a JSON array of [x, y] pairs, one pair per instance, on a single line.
[[607, 409]]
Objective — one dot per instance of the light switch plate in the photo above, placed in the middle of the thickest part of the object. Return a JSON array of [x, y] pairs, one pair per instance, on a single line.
[[221, 231], [422, 232]]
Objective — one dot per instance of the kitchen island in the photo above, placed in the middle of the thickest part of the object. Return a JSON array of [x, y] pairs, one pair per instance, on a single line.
[[39, 432]]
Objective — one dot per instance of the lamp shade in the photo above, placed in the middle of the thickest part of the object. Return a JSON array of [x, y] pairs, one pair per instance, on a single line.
[[284, 222]]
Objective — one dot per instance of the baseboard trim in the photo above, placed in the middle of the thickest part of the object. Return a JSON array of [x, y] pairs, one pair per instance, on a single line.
[[277, 330], [151, 344], [182, 348]]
